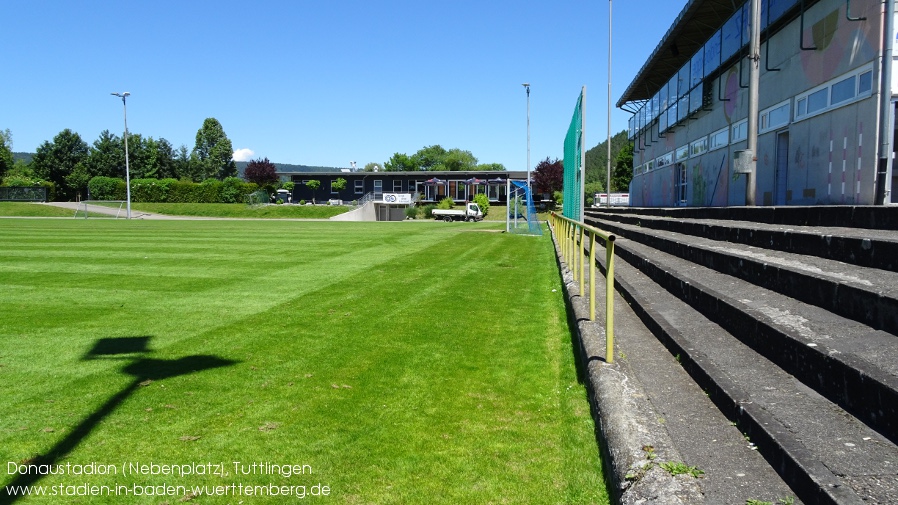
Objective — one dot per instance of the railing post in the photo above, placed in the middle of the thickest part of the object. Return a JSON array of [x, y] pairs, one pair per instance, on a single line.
[[592, 277], [609, 300], [582, 257]]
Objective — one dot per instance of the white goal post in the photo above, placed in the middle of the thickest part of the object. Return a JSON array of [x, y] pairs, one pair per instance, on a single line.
[[101, 208]]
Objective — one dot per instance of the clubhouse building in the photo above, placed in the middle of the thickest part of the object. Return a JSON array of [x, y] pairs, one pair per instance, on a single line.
[[826, 120], [425, 187]]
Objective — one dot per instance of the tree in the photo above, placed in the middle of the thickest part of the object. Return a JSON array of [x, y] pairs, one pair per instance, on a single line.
[[261, 172], [166, 166], [184, 166], [590, 189], [623, 169], [400, 162], [596, 158], [339, 184], [54, 161], [314, 184], [372, 167], [458, 160], [107, 157], [491, 167], [7, 161], [213, 151], [430, 157], [141, 157], [548, 176]]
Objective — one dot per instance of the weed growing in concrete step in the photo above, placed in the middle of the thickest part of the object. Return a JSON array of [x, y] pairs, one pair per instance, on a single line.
[[789, 500], [674, 468], [678, 468]]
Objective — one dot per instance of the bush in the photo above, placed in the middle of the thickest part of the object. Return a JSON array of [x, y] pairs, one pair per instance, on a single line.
[[20, 181], [289, 185], [151, 190], [232, 190], [209, 191], [483, 202], [411, 212], [107, 188], [428, 210], [302, 202], [445, 204]]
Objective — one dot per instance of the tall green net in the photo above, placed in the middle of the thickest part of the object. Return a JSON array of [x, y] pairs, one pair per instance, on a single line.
[[574, 160]]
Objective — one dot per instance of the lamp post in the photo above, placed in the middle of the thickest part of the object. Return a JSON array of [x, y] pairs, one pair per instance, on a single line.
[[123, 96], [608, 162], [527, 87]]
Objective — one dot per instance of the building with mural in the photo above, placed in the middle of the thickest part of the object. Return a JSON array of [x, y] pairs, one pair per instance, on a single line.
[[825, 135]]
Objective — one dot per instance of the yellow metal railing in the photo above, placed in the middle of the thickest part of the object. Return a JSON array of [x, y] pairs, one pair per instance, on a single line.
[[572, 237]]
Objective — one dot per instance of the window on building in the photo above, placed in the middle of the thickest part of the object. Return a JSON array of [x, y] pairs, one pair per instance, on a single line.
[[731, 36], [682, 108], [359, 187], [695, 99], [664, 160], [844, 90], [719, 139], [697, 68], [682, 153], [698, 147], [740, 131], [840, 91], [672, 91], [662, 99], [776, 8], [865, 82], [397, 185], [684, 79], [712, 53], [774, 117]]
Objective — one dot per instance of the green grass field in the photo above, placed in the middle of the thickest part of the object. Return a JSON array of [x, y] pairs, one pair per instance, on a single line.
[[399, 363]]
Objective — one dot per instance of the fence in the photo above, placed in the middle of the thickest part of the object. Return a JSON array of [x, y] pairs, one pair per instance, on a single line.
[[23, 194], [572, 237]]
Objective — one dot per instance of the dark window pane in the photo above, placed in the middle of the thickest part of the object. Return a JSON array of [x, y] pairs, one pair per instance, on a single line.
[[712, 53]]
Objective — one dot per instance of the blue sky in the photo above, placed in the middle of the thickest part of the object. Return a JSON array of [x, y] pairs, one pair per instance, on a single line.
[[327, 82]]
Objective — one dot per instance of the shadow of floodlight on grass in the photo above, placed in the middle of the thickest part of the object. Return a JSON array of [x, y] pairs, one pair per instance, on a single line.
[[141, 368]]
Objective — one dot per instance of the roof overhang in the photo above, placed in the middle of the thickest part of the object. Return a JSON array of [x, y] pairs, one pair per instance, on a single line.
[[441, 174], [698, 20]]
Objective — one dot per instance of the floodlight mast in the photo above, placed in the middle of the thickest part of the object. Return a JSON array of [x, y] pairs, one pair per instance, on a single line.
[[123, 96]]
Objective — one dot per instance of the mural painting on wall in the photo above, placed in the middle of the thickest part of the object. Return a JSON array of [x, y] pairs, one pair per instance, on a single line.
[[731, 94], [721, 187], [836, 43], [699, 186]]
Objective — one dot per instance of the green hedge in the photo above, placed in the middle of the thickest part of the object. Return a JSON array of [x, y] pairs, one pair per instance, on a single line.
[[151, 190], [107, 188], [231, 190]]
